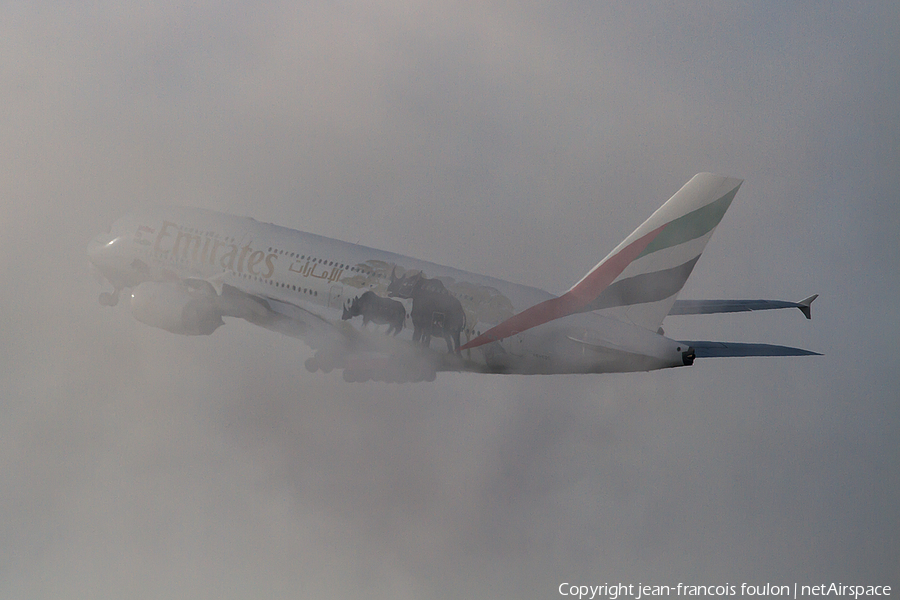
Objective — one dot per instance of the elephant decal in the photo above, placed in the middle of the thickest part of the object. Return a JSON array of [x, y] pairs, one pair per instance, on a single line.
[[435, 311]]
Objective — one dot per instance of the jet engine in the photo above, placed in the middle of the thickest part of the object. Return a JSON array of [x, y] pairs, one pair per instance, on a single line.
[[177, 307]]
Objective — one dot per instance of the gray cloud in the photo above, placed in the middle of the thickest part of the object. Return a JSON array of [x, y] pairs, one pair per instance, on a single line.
[[522, 142]]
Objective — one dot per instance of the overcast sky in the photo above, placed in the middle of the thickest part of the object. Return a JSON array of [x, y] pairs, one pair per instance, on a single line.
[[518, 140]]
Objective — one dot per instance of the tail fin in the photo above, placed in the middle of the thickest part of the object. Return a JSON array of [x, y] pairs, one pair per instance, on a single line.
[[645, 290], [640, 279]]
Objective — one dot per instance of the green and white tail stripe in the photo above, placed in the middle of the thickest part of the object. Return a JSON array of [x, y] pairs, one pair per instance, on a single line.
[[644, 292]]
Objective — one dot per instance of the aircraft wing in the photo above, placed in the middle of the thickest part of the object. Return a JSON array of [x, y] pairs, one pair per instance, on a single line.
[[703, 349], [705, 307]]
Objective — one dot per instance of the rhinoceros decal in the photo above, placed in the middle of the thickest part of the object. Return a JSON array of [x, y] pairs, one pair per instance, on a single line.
[[379, 310]]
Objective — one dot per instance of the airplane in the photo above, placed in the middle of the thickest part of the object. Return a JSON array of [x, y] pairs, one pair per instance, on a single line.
[[188, 268]]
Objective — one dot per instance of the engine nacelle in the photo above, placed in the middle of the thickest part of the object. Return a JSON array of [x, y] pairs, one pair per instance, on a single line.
[[177, 308]]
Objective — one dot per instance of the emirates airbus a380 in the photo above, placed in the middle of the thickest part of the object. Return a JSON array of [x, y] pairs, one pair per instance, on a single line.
[[187, 268]]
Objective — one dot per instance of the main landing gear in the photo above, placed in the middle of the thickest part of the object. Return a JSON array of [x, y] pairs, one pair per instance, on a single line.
[[109, 298]]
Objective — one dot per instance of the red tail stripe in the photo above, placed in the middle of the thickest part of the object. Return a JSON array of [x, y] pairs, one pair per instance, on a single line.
[[572, 301]]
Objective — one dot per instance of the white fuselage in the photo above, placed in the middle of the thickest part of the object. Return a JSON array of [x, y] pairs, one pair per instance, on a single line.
[[321, 275]]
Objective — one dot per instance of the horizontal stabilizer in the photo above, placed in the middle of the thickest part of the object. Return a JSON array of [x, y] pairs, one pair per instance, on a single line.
[[707, 307], [735, 349]]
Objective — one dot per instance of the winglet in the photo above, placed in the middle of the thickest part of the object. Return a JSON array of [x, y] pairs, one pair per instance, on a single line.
[[806, 306]]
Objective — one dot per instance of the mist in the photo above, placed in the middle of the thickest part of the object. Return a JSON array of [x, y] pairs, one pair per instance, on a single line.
[[522, 142]]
